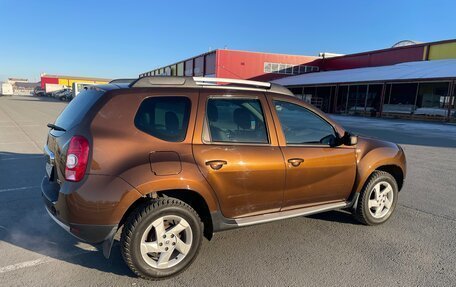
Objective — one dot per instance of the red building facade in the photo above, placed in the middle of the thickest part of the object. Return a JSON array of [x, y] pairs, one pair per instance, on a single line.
[[240, 65]]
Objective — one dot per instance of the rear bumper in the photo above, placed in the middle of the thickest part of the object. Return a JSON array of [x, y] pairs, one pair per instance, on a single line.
[[85, 232]]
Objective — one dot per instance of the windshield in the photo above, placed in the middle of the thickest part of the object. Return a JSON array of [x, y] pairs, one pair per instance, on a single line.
[[78, 108]]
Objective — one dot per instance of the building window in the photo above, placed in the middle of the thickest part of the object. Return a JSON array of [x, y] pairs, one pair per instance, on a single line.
[[189, 68], [401, 99], [433, 100], [357, 99], [452, 105], [342, 96], [288, 69], [180, 69], [198, 69], [173, 70], [210, 65], [373, 100]]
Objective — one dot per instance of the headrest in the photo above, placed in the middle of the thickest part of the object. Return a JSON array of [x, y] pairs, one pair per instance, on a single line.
[[171, 121], [241, 117], [212, 112]]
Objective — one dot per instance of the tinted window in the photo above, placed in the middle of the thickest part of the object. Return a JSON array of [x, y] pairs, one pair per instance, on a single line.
[[165, 118], [301, 126], [78, 108], [236, 120]]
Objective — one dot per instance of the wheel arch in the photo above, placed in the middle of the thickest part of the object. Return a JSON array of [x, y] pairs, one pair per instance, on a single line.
[[391, 160], [190, 197], [396, 172]]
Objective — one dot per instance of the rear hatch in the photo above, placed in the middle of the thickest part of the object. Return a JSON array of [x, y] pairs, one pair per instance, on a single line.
[[68, 124]]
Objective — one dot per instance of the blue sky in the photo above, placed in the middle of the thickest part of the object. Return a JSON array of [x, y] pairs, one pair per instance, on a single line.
[[124, 38]]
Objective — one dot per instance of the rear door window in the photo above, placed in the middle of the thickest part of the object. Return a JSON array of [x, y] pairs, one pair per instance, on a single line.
[[165, 118], [78, 108]]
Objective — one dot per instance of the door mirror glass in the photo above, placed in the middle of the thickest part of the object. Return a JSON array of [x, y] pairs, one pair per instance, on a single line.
[[349, 139], [353, 140]]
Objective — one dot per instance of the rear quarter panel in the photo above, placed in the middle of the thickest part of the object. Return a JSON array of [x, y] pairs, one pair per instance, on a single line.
[[120, 149]]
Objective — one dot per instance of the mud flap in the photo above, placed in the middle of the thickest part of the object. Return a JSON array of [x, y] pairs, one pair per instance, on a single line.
[[107, 244]]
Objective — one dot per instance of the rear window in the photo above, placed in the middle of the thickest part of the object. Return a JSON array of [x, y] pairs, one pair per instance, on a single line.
[[165, 118], [78, 108]]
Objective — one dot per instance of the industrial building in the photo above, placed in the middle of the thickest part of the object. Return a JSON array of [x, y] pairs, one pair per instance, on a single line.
[[413, 81], [57, 82], [18, 87], [239, 65], [409, 80]]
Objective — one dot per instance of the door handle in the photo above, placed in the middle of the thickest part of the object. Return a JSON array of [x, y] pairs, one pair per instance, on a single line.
[[216, 164], [295, 162]]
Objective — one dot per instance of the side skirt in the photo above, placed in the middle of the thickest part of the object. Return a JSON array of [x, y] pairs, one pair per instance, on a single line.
[[222, 223]]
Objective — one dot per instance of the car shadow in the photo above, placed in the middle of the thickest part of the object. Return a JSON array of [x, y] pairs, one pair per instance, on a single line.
[[340, 216], [24, 222]]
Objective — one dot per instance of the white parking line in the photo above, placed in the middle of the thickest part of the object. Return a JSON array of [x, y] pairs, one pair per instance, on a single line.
[[25, 264], [19, 188], [39, 261]]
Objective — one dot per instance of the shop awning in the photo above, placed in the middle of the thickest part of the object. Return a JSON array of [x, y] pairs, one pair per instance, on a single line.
[[421, 70]]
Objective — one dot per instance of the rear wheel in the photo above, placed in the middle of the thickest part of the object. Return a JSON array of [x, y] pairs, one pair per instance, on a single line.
[[378, 199], [161, 239]]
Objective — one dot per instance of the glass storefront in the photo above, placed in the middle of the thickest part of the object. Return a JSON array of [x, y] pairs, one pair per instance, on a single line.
[[452, 104], [359, 99], [426, 100], [321, 97], [432, 100], [400, 99], [356, 104], [374, 99]]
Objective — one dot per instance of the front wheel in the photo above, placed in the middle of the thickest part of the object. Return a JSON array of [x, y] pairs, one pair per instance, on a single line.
[[378, 199], [161, 239]]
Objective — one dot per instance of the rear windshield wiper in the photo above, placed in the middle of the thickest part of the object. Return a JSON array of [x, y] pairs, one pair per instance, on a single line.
[[57, 128]]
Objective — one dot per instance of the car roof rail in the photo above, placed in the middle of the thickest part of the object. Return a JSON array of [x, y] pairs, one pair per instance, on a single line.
[[206, 82], [122, 81], [216, 81]]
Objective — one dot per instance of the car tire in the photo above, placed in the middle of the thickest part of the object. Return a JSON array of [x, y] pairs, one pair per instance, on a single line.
[[378, 199], [161, 238]]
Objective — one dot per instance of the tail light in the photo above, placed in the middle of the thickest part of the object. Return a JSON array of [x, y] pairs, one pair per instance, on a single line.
[[77, 158]]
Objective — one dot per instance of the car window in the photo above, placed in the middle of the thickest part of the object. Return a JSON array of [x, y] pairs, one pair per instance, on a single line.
[[236, 121], [165, 118], [78, 108], [301, 126]]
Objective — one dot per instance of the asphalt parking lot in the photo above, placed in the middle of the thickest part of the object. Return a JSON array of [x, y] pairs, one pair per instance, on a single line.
[[417, 247]]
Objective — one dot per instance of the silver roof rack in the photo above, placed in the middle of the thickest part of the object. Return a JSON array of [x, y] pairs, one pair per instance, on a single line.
[[122, 81], [203, 82], [215, 81]]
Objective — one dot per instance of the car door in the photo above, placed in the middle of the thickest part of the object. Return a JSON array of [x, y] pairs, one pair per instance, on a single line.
[[235, 146], [316, 172]]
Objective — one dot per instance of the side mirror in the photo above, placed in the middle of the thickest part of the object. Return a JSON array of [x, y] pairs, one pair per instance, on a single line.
[[349, 139]]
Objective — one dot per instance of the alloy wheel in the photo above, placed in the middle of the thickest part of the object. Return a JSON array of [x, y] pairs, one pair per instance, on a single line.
[[166, 242], [380, 199]]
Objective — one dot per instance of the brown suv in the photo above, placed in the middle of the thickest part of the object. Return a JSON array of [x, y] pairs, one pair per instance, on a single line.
[[173, 159]]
